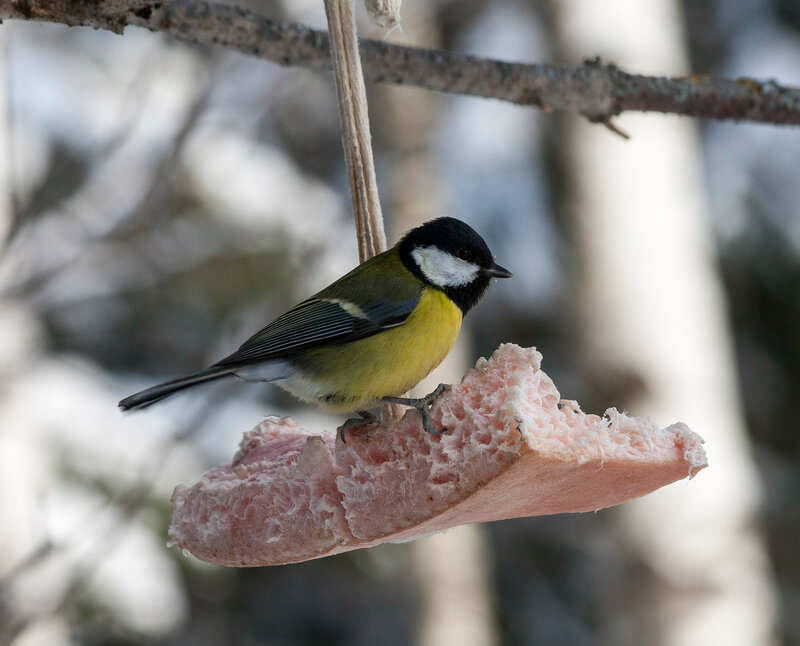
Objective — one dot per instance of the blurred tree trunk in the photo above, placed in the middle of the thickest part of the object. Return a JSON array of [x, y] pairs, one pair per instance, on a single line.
[[20, 473], [653, 325], [5, 139], [450, 565]]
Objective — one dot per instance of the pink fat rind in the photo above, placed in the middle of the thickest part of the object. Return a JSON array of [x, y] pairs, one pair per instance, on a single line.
[[245, 514], [513, 448]]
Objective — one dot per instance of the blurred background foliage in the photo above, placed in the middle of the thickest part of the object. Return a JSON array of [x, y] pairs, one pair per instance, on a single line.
[[166, 201]]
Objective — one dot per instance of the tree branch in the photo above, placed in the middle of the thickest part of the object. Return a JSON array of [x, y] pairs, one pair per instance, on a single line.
[[595, 90]]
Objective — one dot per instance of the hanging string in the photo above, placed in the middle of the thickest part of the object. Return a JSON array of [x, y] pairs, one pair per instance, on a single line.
[[354, 118]]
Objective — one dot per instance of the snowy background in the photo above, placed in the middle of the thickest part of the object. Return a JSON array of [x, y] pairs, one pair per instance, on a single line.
[[163, 201]]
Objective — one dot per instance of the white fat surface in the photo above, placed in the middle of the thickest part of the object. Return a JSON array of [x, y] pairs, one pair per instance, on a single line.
[[444, 269]]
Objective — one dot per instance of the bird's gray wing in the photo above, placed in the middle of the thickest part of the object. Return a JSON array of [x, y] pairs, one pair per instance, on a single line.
[[319, 321]]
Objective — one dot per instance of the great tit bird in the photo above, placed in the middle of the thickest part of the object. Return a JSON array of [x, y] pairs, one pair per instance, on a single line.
[[370, 336]]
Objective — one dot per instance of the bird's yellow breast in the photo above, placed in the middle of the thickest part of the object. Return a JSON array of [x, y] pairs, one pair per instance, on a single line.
[[354, 376]]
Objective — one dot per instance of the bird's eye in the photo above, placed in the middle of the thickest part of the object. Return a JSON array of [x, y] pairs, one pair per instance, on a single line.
[[465, 254]]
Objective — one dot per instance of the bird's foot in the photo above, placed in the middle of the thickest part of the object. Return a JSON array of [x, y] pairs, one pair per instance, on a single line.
[[421, 404], [365, 418]]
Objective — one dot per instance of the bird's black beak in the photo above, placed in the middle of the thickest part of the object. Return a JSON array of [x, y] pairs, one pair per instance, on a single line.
[[496, 271]]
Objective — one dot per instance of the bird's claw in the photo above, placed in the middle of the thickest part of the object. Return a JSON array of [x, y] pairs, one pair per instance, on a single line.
[[421, 404], [365, 418]]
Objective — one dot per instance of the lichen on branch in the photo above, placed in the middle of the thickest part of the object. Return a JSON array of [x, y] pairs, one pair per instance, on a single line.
[[596, 90]]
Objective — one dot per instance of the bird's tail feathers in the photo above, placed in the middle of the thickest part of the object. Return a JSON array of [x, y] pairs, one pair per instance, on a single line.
[[160, 391]]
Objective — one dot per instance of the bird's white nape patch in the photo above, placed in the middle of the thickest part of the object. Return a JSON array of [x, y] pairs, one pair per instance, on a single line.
[[444, 269]]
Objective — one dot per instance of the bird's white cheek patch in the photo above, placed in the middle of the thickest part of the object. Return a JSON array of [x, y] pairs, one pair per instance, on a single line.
[[444, 269]]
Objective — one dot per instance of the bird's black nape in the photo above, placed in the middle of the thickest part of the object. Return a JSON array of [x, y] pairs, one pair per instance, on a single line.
[[460, 240]]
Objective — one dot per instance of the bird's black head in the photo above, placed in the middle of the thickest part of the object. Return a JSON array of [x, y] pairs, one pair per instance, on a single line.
[[449, 255]]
